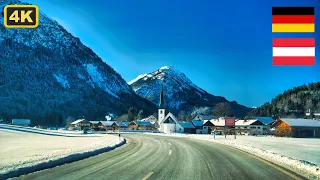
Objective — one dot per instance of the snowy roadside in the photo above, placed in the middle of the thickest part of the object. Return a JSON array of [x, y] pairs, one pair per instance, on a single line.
[[300, 155], [25, 152]]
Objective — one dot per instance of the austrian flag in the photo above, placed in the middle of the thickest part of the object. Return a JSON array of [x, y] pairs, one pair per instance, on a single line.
[[293, 51]]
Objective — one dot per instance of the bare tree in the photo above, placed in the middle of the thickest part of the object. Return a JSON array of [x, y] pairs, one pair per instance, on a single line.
[[222, 109], [182, 116]]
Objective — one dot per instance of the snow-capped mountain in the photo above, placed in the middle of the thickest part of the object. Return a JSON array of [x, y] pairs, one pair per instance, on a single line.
[[179, 92], [46, 69]]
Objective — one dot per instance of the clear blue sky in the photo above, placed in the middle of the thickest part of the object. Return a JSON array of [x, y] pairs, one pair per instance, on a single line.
[[223, 46]]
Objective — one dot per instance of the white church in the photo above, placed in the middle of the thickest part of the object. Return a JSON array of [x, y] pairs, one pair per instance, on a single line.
[[167, 123]]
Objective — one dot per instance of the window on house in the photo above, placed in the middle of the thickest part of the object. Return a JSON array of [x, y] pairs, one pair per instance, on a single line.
[[160, 111], [204, 127], [258, 127]]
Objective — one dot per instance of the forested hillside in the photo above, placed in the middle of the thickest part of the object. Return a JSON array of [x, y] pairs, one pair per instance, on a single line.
[[292, 103]]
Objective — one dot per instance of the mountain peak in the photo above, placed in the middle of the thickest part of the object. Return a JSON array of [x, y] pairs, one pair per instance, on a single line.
[[180, 93]]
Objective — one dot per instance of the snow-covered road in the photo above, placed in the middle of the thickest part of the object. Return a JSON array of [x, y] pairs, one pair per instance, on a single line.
[[300, 154], [20, 150]]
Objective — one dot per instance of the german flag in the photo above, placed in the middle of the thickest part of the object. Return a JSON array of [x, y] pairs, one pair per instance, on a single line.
[[293, 51], [292, 19]]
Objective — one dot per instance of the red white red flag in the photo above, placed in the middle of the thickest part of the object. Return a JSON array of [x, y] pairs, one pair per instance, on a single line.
[[293, 51]]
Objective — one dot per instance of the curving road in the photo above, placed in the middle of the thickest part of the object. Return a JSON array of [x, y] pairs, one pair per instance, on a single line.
[[159, 157]]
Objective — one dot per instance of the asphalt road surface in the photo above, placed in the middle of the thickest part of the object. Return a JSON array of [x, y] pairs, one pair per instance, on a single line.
[[159, 157]]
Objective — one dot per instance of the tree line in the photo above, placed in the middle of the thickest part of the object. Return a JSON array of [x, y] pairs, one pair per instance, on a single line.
[[294, 103]]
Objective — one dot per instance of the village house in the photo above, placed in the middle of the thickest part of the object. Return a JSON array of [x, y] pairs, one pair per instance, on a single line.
[[250, 127], [107, 125], [187, 127], [121, 125], [80, 124], [202, 127], [96, 125], [299, 128], [218, 125], [140, 125]]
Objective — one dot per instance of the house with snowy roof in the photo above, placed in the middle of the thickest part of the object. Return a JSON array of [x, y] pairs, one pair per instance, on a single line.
[[107, 125], [79, 124], [250, 127], [140, 125], [120, 125], [299, 128], [202, 126]]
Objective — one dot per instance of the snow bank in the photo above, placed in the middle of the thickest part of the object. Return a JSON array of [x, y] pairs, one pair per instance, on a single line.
[[25, 152], [297, 154]]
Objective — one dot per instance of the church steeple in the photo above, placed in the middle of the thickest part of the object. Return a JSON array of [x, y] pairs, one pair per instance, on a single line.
[[161, 104]]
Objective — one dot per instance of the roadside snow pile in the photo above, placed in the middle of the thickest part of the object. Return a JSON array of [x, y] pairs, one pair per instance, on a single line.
[[25, 152], [297, 154]]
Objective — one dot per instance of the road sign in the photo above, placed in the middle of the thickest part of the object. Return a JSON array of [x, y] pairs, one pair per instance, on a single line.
[[21, 16], [230, 121]]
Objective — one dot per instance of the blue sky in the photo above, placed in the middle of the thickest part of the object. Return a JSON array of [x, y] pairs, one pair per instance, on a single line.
[[223, 46]]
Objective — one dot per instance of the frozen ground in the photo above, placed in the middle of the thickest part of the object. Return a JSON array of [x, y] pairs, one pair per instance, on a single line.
[[20, 150], [300, 154]]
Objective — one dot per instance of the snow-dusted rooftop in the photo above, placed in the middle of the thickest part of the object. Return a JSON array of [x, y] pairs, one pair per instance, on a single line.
[[218, 122], [245, 122], [301, 122], [77, 121], [187, 125], [107, 123], [197, 122]]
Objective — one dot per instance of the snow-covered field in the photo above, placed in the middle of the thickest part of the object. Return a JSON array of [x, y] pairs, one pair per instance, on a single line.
[[21, 151], [298, 154]]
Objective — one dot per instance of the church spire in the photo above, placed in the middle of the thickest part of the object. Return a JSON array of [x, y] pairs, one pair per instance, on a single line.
[[161, 104]]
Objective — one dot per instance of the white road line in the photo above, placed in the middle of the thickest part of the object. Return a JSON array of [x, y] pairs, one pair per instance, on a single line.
[[147, 176], [170, 151]]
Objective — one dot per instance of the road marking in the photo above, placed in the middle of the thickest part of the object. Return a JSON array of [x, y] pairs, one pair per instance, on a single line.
[[170, 144], [170, 151], [147, 176]]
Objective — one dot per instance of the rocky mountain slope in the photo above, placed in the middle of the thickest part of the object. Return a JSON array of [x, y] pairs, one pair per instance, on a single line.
[[46, 70], [179, 92]]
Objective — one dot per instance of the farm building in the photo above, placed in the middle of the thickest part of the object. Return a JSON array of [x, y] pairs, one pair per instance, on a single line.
[[299, 128], [187, 127], [80, 124], [21, 122]]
